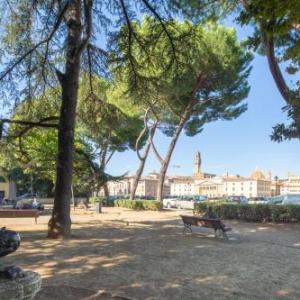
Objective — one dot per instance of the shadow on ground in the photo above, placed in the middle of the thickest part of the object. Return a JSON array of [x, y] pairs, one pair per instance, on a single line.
[[114, 259]]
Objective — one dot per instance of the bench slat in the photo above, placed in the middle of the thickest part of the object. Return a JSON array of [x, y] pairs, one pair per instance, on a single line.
[[216, 224], [19, 213]]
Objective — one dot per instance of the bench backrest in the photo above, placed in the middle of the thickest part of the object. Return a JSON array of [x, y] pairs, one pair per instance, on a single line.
[[191, 220], [18, 213], [198, 221]]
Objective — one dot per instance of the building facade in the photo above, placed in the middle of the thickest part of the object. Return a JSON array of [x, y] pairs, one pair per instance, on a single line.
[[210, 187], [291, 185], [182, 186], [7, 188], [206, 184], [118, 188], [147, 187], [257, 185]]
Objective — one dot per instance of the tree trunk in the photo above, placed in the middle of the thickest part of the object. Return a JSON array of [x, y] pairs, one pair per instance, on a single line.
[[60, 222], [139, 171], [103, 163], [143, 159], [166, 161], [106, 190], [268, 43]]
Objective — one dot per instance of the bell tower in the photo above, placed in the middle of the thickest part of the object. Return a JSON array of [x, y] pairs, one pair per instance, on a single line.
[[197, 164]]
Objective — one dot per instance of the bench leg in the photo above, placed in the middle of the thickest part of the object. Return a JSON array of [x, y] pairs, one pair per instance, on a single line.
[[187, 226], [35, 220], [217, 233]]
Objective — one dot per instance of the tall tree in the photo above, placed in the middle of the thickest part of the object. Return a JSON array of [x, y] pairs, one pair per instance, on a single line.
[[36, 36], [149, 132], [102, 129], [208, 82], [107, 122]]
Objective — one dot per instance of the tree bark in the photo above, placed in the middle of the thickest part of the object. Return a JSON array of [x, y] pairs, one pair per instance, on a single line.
[[103, 163], [143, 159], [106, 190], [274, 67], [184, 117], [60, 222], [166, 160]]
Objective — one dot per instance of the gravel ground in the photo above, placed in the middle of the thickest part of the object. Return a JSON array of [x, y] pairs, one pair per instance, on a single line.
[[122, 254]]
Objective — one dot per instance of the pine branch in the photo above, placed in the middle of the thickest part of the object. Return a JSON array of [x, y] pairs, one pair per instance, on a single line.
[[46, 40]]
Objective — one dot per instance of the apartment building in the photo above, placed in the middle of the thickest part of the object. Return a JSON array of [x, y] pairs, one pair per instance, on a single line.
[[257, 185], [291, 185]]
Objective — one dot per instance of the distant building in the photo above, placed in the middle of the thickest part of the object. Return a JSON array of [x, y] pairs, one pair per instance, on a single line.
[[147, 186], [7, 188], [291, 185], [276, 186], [210, 187], [198, 174], [189, 185], [257, 185], [118, 188], [206, 184], [182, 186]]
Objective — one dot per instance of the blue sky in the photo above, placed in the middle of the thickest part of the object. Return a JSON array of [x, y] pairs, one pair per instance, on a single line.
[[236, 146]]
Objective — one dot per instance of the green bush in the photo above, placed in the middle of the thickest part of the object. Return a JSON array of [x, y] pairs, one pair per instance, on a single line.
[[94, 200], [139, 204], [252, 212], [104, 201]]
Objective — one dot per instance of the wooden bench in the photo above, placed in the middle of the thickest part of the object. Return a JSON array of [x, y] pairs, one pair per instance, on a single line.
[[216, 224], [19, 213]]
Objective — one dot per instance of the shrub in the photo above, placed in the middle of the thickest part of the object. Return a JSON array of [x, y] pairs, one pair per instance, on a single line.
[[94, 200], [139, 204], [104, 201], [252, 212]]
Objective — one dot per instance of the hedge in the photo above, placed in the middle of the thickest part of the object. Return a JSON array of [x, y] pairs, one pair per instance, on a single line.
[[252, 212], [104, 201], [139, 204]]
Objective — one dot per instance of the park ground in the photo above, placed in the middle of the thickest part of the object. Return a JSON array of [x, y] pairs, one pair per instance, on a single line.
[[123, 254]]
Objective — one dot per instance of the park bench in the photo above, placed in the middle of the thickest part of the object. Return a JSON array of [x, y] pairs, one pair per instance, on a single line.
[[19, 213], [216, 224]]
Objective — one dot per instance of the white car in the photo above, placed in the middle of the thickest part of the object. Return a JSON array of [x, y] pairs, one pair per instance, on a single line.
[[285, 199], [181, 202]]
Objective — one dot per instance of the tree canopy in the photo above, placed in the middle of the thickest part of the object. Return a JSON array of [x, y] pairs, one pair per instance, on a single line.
[[276, 35], [207, 81]]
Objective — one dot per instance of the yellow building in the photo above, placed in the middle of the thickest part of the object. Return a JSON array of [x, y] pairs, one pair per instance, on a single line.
[[257, 185], [7, 188], [291, 185]]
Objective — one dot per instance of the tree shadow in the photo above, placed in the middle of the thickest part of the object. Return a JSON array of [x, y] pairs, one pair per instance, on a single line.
[[154, 260]]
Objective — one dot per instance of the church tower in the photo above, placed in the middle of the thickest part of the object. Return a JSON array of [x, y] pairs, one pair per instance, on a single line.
[[197, 165]]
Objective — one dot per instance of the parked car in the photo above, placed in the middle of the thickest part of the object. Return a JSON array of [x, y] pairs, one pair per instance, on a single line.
[[237, 199], [285, 199], [184, 202], [258, 200]]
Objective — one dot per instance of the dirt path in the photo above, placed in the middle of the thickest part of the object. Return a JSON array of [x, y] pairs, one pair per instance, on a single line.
[[144, 255]]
